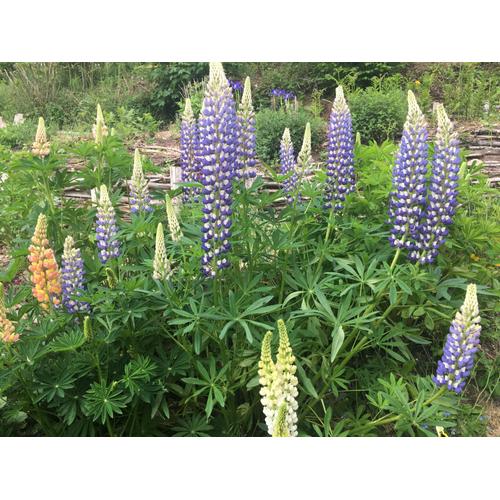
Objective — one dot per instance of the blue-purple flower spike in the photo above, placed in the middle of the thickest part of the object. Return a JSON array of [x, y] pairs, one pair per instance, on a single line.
[[246, 137], [288, 165], [407, 198], [461, 345], [73, 278], [340, 163], [190, 171], [140, 201], [217, 154], [107, 244], [443, 190]]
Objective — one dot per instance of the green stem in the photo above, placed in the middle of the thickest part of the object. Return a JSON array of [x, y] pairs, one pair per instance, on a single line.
[[327, 236], [395, 259]]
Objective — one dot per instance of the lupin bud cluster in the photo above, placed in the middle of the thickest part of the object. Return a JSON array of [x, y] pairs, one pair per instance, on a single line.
[[217, 154], [280, 425], [407, 198], [99, 129], [246, 136], [43, 267], [106, 230], [443, 190], [340, 163], [140, 201], [173, 223], [279, 385], [287, 161], [304, 158], [161, 265], [73, 278], [8, 333], [41, 147], [461, 345], [189, 148]]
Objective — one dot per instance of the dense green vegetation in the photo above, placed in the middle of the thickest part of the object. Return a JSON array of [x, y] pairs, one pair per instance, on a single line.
[[179, 356]]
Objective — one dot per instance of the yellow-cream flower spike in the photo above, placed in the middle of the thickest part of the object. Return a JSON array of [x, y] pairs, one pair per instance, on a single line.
[[304, 158], [173, 223], [161, 265], [45, 274], [41, 147], [280, 424], [278, 383], [99, 130]]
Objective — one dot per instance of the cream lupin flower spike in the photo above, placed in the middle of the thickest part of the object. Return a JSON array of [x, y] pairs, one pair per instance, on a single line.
[[173, 223], [161, 265]]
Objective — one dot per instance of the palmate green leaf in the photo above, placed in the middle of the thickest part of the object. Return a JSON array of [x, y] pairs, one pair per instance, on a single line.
[[102, 401], [69, 341]]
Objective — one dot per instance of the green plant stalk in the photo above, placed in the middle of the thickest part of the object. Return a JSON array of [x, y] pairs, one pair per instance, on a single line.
[[101, 380], [327, 236]]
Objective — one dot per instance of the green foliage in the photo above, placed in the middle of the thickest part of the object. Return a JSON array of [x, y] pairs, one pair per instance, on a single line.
[[378, 115], [66, 93], [169, 79], [23, 134], [180, 357], [271, 124]]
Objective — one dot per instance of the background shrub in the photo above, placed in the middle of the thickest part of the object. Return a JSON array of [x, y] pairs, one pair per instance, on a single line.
[[378, 115], [169, 79], [271, 124]]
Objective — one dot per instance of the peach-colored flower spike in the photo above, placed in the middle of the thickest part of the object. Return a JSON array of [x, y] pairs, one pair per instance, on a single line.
[[45, 274], [7, 331]]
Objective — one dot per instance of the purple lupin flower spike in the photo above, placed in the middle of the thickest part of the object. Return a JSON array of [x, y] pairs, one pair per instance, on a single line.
[[288, 165], [72, 275], [140, 201], [107, 244], [246, 153], [217, 154], [443, 190], [189, 150], [340, 179], [461, 345], [407, 198]]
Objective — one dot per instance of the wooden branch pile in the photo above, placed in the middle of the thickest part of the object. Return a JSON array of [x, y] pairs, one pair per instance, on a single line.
[[484, 146]]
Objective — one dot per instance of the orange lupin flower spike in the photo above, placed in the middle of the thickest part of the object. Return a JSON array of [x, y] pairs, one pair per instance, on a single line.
[[7, 331], [45, 274]]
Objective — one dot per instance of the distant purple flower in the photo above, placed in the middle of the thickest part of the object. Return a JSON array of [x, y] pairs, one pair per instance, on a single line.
[[236, 85], [340, 163], [461, 345], [443, 190], [218, 142], [190, 166], [246, 137], [286, 95], [288, 165], [72, 275], [106, 230], [407, 198]]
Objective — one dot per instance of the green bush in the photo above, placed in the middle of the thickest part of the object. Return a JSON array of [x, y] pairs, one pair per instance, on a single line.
[[271, 124], [17, 136], [67, 93], [378, 115], [169, 80]]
